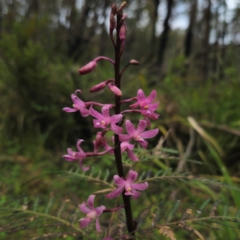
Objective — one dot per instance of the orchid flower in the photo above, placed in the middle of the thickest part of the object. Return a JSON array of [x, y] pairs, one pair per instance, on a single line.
[[73, 156], [104, 119], [92, 213], [138, 134], [129, 188], [146, 103], [78, 105]]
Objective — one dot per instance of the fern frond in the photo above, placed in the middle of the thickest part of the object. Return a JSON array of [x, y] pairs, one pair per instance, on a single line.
[[28, 216]]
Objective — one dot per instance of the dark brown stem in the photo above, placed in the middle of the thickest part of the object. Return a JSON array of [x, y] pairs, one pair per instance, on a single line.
[[117, 151]]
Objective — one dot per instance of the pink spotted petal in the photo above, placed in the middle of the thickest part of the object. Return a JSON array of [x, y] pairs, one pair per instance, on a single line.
[[150, 133], [96, 114], [116, 129], [132, 176], [124, 137], [119, 181], [151, 97], [116, 118], [67, 109], [84, 222], [83, 207], [153, 106], [105, 110], [79, 142], [140, 95], [141, 126], [139, 186], [130, 128], [90, 201], [115, 193]]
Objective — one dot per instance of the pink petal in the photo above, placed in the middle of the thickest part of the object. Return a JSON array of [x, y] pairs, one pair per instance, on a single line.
[[135, 194], [134, 105], [96, 114], [77, 101], [130, 128], [90, 201], [119, 181], [69, 158], [124, 137], [84, 112], [140, 95], [116, 192], [153, 106], [84, 208], [141, 126], [151, 97], [116, 129], [67, 109], [105, 110], [99, 210], [150, 133], [132, 156], [143, 143], [98, 228], [84, 222], [116, 118], [139, 186], [132, 176]]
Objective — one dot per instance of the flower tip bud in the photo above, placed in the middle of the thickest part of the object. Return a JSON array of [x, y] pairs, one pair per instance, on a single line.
[[134, 62], [87, 68], [115, 89]]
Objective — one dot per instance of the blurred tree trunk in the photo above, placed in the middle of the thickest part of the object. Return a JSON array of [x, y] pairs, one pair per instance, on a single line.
[[104, 40], [164, 35], [153, 22], [33, 8], [205, 41], [189, 33]]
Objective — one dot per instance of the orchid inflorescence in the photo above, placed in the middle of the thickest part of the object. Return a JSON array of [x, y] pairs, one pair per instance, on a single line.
[[108, 122]]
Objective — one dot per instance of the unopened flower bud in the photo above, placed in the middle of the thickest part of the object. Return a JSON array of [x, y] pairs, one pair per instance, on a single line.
[[115, 89], [114, 9], [98, 87], [134, 62], [123, 32], [112, 22], [87, 68]]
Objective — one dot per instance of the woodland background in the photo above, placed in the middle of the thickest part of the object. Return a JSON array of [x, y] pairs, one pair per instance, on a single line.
[[189, 51]]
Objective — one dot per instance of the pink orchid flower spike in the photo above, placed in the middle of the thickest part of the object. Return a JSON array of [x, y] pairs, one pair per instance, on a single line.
[[130, 188], [78, 105], [104, 119], [74, 156], [138, 134], [92, 213]]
